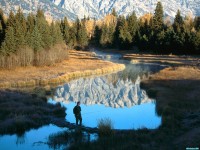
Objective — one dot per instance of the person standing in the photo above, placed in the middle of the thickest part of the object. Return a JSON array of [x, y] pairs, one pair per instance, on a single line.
[[77, 113]]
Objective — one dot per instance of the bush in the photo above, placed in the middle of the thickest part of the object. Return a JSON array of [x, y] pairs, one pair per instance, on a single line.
[[105, 127]]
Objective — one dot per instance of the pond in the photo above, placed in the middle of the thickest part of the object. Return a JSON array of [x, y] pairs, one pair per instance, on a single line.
[[116, 96]]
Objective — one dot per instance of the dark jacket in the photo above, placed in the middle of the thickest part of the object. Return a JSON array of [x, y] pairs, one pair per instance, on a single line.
[[77, 110]]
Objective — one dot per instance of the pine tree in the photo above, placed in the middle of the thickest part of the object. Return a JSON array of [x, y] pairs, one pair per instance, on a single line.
[[2, 19], [97, 35], [114, 13], [65, 29], [9, 45], [82, 38], [44, 29], [72, 39], [158, 21], [2, 26], [125, 37], [178, 22], [20, 28], [36, 39], [196, 42], [11, 20], [104, 35], [56, 33], [31, 22], [132, 25], [197, 23]]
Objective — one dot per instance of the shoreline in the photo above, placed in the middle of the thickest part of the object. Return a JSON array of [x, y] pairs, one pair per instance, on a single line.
[[80, 64]]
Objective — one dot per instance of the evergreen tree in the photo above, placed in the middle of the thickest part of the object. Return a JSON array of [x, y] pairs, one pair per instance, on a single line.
[[36, 39], [20, 28], [97, 35], [82, 38], [2, 26], [56, 33], [44, 29], [158, 21], [9, 45], [30, 29], [125, 37], [169, 40], [72, 37], [104, 38], [114, 13], [178, 22], [196, 42], [132, 25], [179, 38], [197, 23], [11, 20], [31, 22], [65, 29]]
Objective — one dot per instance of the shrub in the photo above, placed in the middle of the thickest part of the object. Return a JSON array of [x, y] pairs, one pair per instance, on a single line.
[[105, 127]]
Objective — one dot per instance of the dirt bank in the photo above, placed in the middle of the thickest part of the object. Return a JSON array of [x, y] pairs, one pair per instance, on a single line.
[[80, 63]]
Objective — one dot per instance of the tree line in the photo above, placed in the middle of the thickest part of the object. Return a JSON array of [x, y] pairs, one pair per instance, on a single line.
[[155, 34], [30, 41]]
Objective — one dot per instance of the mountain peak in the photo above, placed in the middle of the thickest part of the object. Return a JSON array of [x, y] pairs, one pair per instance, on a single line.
[[100, 8], [51, 10]]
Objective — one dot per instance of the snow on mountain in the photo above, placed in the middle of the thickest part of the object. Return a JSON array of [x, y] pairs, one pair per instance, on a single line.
[[99, 8], [51, 10], [99, 90]]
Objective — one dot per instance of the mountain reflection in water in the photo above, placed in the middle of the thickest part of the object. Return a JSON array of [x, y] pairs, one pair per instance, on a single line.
[[99, 90], [116, 96]]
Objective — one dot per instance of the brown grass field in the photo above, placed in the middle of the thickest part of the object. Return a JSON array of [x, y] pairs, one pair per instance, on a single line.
[[80, 63]]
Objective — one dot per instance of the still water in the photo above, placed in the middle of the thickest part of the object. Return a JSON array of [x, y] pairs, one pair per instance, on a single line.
[[117, 96]]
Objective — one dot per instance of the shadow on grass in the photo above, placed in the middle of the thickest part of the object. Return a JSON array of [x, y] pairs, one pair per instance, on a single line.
[[21, 112]]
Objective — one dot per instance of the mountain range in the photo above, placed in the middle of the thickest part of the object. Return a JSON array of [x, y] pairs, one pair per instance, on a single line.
[[57, 9], [51, 10], [99, 8]]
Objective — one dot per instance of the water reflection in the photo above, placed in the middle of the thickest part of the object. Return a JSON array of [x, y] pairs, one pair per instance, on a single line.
[[116, 96], [99, 90], [31, 140]]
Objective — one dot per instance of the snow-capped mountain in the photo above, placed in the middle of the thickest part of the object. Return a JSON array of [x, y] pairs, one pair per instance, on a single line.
[[51, 10], [99, 8], [100, 90], [57, 9]]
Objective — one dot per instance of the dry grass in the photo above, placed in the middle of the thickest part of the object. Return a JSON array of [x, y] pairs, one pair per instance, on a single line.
[[165, 59], [80, 63], [177, 92], [177, 73]]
